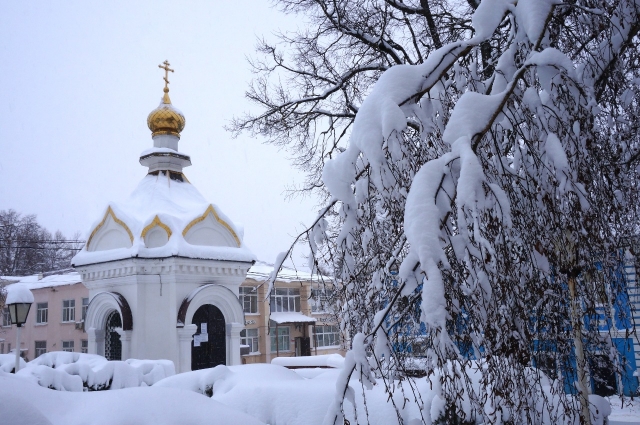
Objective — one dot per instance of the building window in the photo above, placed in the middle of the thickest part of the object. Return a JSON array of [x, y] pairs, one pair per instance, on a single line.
[[250, 337], [42, 313], [67, 346], [85, 307], [280, 342], [327, 336], [6, 317], [41, 348], [1, 347], [285, 299], [320, 300], [68, 310], [84, 346], [249, 299]]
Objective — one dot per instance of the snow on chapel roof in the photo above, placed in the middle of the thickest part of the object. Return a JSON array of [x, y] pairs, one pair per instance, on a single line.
[[165, 215]]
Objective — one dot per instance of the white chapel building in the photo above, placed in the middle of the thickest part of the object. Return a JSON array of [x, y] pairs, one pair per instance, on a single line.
[[163, 268]]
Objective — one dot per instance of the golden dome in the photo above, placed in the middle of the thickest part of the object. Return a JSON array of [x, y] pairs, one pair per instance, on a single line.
[[166, 119]]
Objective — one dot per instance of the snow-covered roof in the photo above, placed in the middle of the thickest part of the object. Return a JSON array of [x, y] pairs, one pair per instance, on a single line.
[[35, 282], [261, 271], [291, 317], [163, 217]]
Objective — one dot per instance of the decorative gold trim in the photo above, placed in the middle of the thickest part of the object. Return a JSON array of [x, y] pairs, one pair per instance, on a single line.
[[211, 210], [104, 220], [156, 222]]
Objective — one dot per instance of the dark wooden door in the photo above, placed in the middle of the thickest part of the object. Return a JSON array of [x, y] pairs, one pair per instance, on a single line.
[[208, 347], [305, 349]]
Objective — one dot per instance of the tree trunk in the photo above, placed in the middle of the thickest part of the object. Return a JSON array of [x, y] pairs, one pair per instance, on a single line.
[[581, 365]]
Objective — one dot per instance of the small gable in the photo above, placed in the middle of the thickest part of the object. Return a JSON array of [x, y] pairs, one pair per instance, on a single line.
[[210, 230], [156, 234], [110, 233]]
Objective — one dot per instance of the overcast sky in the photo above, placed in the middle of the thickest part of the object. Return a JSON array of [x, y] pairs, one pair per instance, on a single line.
[[77, 81]]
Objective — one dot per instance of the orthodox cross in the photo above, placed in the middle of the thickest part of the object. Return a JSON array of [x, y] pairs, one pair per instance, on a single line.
[[166, 74]]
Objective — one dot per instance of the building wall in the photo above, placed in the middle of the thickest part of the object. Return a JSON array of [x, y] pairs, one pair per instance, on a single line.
[[55, 331], [260, 321]]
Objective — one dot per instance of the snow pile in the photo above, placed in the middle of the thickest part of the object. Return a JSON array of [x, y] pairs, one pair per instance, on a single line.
[[8, 361], [326, 360], [89, 372], [24, 403], [279, 396], [18, 293], [269, 393]]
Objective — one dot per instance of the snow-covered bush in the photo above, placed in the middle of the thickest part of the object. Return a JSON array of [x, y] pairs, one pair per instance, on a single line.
[[66, 371], [8, 361]]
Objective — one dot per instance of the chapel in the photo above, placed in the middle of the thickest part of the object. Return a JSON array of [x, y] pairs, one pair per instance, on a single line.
[[163, 268]]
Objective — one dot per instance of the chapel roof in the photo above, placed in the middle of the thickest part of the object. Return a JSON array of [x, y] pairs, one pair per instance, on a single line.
[[165, 215]]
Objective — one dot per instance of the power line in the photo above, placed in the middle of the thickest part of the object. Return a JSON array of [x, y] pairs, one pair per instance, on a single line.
[[39, 247], [46, 240]]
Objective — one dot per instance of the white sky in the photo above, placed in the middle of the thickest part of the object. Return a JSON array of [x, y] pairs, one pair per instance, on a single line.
[[77, 81]]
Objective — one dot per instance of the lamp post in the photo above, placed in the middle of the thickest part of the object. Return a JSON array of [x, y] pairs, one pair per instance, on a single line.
[[19, 300]]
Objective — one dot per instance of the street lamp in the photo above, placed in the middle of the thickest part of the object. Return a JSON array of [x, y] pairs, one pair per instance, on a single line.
[[19, 300]]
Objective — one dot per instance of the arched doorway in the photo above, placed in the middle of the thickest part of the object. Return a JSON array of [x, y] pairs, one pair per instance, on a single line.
[[112, 343], [208, 348]]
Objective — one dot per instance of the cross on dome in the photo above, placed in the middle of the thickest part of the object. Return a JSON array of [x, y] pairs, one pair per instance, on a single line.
[[165, 119], [166, 80]]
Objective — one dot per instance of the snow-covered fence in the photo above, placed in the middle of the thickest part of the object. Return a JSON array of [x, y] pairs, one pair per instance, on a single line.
[[89, 372]]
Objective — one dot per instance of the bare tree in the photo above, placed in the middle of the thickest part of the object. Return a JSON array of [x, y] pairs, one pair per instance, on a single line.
[[26, 247]]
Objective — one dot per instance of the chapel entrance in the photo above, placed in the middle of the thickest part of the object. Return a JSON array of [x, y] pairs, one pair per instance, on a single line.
[[112, 343], [208, 347]]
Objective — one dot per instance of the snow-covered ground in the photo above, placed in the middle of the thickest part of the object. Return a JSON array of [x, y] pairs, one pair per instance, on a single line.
[[25, 403], [248, 394], [624, 412]]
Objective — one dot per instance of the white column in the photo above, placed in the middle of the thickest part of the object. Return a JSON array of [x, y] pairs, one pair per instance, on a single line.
[[184, 347], [267, 342], [233, 343], [125, 339], [96, 341]]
